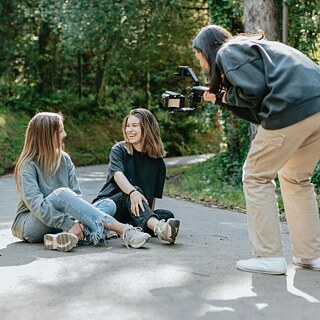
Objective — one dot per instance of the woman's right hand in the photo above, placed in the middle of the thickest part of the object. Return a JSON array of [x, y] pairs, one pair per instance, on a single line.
[[77, 229], [208, 96]]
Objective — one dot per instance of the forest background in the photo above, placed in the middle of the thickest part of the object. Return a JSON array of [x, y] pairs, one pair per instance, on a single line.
[[94, 60]]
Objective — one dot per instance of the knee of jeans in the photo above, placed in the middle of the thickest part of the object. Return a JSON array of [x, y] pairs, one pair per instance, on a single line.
[[111, 205], [60, 190], [107, 206], [164, 214], [33, 238]]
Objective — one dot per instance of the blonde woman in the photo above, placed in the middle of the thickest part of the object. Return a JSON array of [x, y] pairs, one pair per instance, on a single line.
[[136, 176], [50, 207]]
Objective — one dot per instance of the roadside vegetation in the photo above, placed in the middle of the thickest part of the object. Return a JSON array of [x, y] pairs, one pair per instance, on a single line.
[[195, 183], [94, 60], [202, 183]]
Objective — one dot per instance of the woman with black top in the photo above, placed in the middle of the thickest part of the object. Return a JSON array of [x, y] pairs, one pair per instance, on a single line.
[[136, 176]]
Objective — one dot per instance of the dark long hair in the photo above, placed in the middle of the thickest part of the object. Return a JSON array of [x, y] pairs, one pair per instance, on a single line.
[[208, 41]]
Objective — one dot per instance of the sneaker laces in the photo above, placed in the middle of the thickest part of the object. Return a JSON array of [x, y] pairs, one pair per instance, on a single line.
[[157, 227], [128, 232]]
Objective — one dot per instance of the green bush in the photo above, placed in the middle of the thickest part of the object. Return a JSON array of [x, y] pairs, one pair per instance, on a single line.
[[88, 139], [12, 129]]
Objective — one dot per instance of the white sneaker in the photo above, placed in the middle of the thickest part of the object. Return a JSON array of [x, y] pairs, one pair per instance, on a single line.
[[134, 237], [313, 264], [275, 265], [167, 230], [63, 241], [109, 234]]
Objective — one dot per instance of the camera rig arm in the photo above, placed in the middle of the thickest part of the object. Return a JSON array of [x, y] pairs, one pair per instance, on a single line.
[[186, 71]]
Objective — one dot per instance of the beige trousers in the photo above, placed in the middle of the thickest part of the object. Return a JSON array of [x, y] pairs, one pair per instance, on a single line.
[[292, 153]]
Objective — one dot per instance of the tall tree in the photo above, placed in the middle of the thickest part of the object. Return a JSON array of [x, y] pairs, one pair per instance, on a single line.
[[304, 27], [261, 14]]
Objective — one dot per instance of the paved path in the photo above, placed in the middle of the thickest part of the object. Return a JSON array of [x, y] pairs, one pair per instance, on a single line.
[[193, 279]]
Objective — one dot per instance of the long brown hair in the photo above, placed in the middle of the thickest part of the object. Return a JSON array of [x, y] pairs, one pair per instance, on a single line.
[[42, 144], [152, 144]]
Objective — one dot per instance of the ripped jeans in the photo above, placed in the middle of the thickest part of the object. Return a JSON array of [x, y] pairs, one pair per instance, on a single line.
[[67, 201]]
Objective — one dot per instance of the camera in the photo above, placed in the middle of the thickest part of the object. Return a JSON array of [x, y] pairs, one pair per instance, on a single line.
[[177, 102]]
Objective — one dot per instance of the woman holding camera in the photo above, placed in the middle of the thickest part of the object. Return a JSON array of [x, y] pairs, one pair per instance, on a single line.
[[136, 176], [278, 88]]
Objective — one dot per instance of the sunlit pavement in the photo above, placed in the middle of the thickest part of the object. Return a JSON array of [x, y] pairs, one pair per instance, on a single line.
[[194, 279]]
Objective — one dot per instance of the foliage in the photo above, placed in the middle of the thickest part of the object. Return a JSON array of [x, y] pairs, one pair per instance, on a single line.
[[227, 14], [235, 139], [12, 129], [201, 183], [304, 27], [304, 33], [94, 60], [316, 177], [88, 139], [204, 183], [100, 58]]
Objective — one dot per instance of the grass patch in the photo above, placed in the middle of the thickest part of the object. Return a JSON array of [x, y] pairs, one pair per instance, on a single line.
[[201, 183], [193, 183]]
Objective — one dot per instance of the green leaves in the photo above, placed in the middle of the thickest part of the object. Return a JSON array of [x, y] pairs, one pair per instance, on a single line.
[[304, 27]]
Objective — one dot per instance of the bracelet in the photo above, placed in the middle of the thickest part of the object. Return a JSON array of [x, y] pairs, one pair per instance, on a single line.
[[219, 98], [131, 192]]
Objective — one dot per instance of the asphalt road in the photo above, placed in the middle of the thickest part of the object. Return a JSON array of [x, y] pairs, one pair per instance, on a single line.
[[195, 278]]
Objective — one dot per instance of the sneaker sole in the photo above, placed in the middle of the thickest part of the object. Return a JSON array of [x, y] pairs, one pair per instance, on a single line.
[[113, 235], [309, 266], [61, 242], [174, 224], [263, 271], [140, 244]]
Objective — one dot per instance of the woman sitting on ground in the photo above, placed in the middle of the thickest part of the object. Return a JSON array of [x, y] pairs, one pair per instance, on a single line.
[[136, 176], [50, 207]]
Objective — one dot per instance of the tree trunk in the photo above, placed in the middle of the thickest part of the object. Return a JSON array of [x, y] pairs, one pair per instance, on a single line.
[[260, 14], [148, 88], [79, 67], [100, 74], [45, 59]]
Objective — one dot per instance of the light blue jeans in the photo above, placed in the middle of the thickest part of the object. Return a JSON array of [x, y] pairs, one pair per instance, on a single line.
[[67, 201], [107, 206]]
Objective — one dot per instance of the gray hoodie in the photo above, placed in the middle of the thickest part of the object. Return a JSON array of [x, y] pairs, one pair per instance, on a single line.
[[270, 83], [35, 187]]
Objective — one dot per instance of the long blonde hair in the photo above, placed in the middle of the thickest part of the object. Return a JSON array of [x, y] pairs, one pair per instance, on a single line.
[[42, 144], [152, 144]]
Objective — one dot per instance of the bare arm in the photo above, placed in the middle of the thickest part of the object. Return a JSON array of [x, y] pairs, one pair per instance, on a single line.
[[136, 197], [153, 204]]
